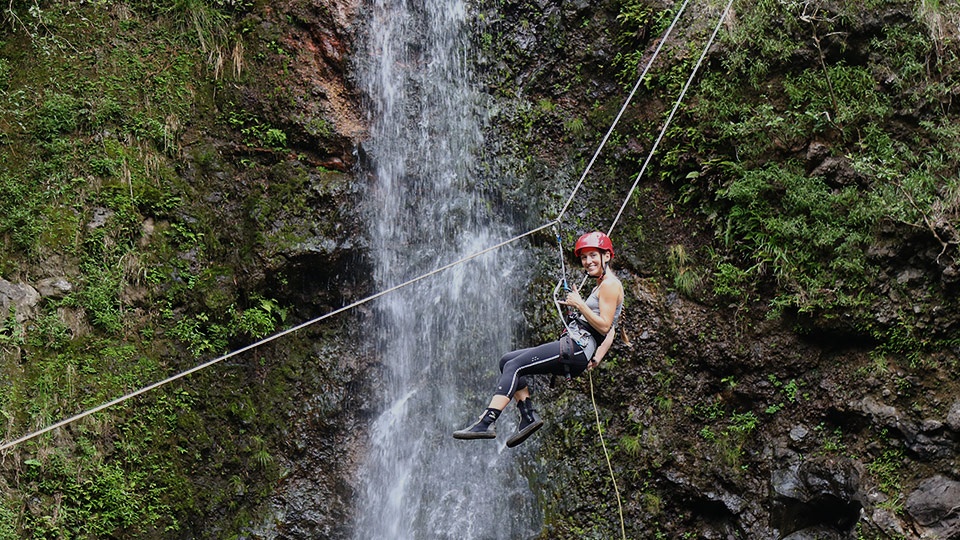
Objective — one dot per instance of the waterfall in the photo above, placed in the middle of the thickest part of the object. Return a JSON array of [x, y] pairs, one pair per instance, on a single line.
[[440, 339]]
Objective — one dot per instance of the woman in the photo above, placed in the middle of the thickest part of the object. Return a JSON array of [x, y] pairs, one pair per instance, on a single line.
[[577, 350]]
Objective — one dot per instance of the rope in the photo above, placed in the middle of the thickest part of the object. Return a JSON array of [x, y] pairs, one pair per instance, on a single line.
[[265, 340], [606, 454], [158, 384], [603, 142], [676, 105]]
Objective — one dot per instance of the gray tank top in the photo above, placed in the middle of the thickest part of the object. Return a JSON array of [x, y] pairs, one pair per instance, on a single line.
[[580, 330]]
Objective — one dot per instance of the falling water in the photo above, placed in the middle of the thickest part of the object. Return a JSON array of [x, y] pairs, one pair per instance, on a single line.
[[440, 339]]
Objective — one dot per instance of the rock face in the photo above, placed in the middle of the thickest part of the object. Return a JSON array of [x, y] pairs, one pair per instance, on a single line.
[[725, 418], [19, 298], [935, 507], [728, 423], [816, 495], [54, 287]]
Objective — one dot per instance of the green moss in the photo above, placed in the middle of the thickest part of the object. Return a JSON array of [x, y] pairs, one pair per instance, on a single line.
[[94, 101]]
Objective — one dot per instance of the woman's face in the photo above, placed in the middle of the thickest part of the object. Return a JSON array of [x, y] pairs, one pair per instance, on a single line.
[[593, 261]]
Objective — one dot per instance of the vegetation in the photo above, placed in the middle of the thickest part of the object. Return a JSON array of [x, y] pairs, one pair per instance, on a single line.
[[808, 182], [96, 99], [811, 169], [800, 226]]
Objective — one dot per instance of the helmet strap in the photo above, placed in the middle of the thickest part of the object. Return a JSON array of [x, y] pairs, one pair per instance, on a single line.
[[603, 265]]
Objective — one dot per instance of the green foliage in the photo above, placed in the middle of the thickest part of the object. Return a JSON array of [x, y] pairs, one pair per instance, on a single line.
[[11, 331], [886, 470], [58, 114], [631, 444], [205, 334], [50, 332], [8, 521], [789, 390], [726, 435], [4, 74], [94, 99], [838, 98], [256, 133], [686, 279], [782, 233], [100, 297], [19, 206], [92, 495], [833, 440], [786, 225], [634, 18]]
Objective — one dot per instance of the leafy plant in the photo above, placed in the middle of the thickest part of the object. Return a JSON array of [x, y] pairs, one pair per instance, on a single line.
[[886, 470], [685, 277]]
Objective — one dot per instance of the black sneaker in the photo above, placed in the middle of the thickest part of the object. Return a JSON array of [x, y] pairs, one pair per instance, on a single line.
[[529, 423], [481, 429]]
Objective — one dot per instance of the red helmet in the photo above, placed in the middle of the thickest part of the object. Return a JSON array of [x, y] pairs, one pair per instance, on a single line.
[[596, 240]]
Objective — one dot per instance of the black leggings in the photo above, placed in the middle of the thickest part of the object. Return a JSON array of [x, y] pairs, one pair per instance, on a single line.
[[540, 360]]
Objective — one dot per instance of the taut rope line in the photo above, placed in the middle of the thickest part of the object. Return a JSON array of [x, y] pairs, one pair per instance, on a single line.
[[158, 384], [656, 52], [265, 340], [676, 105]]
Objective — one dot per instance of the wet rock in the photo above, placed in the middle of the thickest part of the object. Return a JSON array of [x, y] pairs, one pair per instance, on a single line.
[[815, 533], [817, 152], [837, 171], [928, 438], [21, 297], [880, 413], [799, 433], [100, 218], [54, 287], [953, 417], [887, 521], [889, 417], [935, 506], [815, 495]]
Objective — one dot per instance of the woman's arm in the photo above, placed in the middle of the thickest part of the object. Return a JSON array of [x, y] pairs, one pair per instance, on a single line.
[[609, 295], [602, 349]]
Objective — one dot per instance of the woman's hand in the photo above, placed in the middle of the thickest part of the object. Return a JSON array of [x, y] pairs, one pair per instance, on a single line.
[[574, 300], [593, 363]]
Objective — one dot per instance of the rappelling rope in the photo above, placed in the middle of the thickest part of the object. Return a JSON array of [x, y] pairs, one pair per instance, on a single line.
[[676, 105], [158, 384], [716, 30], [265, 340], [616, 120], [168, 380], [606, 454]]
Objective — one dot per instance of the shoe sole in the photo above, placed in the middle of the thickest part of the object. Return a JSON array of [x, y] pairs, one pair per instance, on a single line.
[[521, 436], [471, 435]]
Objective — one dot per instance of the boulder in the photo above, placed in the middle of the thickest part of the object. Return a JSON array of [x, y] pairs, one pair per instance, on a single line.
[[813, 495], [935, 506], [953, 417], [54, 287], [21, 297]]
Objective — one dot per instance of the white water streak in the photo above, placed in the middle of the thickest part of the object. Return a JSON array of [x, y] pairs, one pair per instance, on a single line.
[[440, 339]]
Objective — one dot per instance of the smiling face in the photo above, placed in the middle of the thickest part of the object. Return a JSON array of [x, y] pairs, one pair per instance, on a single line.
[[593, 261]]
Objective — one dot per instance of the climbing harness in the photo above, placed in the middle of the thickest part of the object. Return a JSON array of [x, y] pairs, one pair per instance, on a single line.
[[566, 340]]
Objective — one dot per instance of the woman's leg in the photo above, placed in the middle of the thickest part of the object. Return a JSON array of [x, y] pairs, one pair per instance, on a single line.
[[541, 360], [514, 366]]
